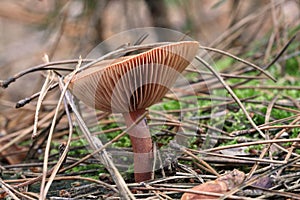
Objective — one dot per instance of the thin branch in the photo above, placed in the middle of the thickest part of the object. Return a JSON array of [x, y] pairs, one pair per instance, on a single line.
[[240, 60], [252, 143], [232, 94]]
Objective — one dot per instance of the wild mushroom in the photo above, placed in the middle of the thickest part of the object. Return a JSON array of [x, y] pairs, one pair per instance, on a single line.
[[131, 84]]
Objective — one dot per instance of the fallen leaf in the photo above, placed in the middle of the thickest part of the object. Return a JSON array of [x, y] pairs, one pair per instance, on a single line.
[[220, 185]]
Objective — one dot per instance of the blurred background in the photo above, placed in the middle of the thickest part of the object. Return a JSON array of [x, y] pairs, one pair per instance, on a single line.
[[66, 29]]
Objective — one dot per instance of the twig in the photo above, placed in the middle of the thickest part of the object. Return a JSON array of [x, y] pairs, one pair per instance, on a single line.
[[240, 60], [238, 157], [123, 189], [44, 189], [158, 193], [206, 166], [267, 125], [268, 87], [191, 171], [268, 114], [254, 179], [232, 94], [86, 179], [270, 64], [192, 191], [27, 100], [293, 146], [46, 66], [6, 188], [252, 143], [43, 92], [64, 154]]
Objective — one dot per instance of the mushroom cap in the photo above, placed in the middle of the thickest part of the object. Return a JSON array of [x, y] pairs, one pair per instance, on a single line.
[[134, 82]]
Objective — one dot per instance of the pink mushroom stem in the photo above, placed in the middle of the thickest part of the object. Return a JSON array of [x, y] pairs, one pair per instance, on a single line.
[[142, 146]]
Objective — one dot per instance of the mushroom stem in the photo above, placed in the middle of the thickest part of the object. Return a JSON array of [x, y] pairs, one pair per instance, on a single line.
[[142, 146]]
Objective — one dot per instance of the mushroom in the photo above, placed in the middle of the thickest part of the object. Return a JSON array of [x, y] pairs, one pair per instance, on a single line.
[[131, 84]]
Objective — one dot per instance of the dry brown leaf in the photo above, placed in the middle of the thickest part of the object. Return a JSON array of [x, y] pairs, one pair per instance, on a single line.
[[220, 185]]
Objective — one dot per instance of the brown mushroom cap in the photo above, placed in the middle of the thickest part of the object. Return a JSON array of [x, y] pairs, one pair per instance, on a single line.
[[133, 82]]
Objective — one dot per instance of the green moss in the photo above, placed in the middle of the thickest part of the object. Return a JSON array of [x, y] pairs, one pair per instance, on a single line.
[[292, 67], [92, 170], [256, 147], [171, 105], [229, 142], [295, 132], [223, 63]]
